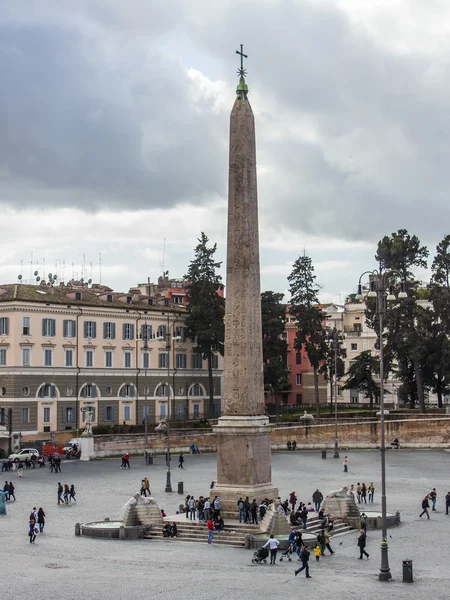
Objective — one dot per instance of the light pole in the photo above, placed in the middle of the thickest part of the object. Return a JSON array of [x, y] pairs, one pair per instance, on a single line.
[[335, 339], [145, 332], [379, 283]]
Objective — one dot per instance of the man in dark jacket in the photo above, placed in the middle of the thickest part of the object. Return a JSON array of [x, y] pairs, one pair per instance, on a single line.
[[362, 544], [317, 499], [425, 507], [447, 502], [304, 557]]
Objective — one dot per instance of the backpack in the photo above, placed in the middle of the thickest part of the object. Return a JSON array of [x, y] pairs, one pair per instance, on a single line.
[[240, 504]]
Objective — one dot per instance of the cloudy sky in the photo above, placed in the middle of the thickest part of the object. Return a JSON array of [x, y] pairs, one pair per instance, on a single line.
[[114, 132]]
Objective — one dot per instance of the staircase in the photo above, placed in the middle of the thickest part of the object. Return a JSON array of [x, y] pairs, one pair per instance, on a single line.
[[234, 535]]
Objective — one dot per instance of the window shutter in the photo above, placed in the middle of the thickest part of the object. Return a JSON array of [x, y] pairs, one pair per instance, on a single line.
[[113, 331], [52, 391], [105, 331], [131, 332], [64, 415], [94, 390], [85, 329], [74, 328], [94, 329], [7, 325], [113, 413], [131, 391], [124, 331], [52, 327], [43, 326], [105, 414], [65, 327]]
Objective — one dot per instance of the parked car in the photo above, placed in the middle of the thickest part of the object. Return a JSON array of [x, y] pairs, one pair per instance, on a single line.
[[23, 454]]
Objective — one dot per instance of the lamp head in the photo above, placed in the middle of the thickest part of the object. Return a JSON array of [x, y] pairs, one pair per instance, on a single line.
[[372, 291], [391, 295], [359, 295], [402, 293]]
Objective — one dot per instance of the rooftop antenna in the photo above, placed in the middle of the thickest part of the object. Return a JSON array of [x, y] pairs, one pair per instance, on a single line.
[[63, 271], [91, 271], [163, 256], [100, 266], [31, 268]]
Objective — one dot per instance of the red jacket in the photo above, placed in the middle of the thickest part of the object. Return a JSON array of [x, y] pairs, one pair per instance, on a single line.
[[210, 525]]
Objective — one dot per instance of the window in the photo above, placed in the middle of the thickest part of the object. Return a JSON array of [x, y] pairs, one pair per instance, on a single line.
[[298, 359], [180, 411], [166, 302], [108, 390], [298, 399], [357, 327], [77, 295], [163, 360], [196, 410], [109, 413], [109, 331], [127, 391], [181, 361], [354, 346], [90, 329], [197, 361], [180, 332], [25, 416], [354, 397], [162, 391], [69, 391], [69, 414], [127, 412], [48, 357], [108, 359], [146, 332], [3, 391], [25, 390], [26, 357], [145, 360], [89, 358], [68, 358], [109, 298], [129, 299], [89, 391], [128, 331], [127, 359], [47, 390], [196, 390], [162, 331], [47, 414], [145, 412], [2, 357], [26, 325], [4, 325], [69, 328], [180, 390], [215, 361], [150, 301], [298, 379], [162, 411], [48, 327]]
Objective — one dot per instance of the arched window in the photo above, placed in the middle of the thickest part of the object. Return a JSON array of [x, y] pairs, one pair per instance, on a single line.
[[47, 390], [162, 331], [127, 391], [89, 390]]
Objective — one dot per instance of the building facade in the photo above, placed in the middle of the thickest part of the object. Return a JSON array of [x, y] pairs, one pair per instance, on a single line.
[[66, 347]]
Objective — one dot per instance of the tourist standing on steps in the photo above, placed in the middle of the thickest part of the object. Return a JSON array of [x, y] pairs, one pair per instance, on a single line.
[[192, 507], [272, 543], [180, 461], [210, 526], [358, 492], [240, 504], [41, 519], [345, 463], [317, 499], [433, 497], [425, 507], [304, 557], [60, 491], [207, 509], [254, 512], [362, 544]]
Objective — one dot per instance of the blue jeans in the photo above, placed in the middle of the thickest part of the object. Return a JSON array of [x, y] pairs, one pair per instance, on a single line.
[[317, 506], [210, 536], [305, 566], [241, 515], [345, 468], [433, 502], [192, 513]]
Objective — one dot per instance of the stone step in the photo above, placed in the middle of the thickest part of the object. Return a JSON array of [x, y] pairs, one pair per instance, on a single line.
[[199, 538]]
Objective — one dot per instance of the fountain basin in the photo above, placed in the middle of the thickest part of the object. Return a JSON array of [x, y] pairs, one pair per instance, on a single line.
[[374, 519], [110, 530]]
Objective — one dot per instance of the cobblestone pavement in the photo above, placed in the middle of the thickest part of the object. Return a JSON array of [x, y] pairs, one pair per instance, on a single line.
[[62, 566]]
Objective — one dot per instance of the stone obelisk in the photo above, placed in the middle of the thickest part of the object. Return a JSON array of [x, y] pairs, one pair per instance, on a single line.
[[243, 433]]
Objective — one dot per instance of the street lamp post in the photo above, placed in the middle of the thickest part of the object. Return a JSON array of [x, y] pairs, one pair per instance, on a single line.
[[378, 289], [145, 336], [336, 430]]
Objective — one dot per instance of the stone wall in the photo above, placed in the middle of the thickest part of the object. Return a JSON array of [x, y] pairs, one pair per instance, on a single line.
[[420, 432]]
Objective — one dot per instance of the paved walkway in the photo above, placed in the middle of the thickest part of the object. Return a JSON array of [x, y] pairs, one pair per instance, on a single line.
[[61, 565]]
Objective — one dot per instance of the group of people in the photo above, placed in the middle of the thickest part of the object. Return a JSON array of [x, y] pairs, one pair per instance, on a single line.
[[66, 494], [9, 490], [145, 487], [363, 492], [54, 464], [292, 445], [36, 523], [248, 511], [170, 530], [433, 497], [203, 509], [125, 461]]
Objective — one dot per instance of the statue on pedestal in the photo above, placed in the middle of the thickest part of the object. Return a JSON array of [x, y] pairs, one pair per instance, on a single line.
[[88, 412]]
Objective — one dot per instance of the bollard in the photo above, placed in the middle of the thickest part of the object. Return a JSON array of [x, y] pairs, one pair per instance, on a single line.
[[180, 487], [408, 571], [324, 453], [149, 459], [77, 529], [122, 533]]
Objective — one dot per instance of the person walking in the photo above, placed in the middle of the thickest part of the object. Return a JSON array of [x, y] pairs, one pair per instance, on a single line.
[[72, 493], [6, 490], [362, 545], [345, 463], [371, 490], [11, 491], [364, 522], [317, 499], [60, 491], [32, 530], [317, 551], [272, 543], [192, 507], [210, 526], [358, 492], [326, 537], [363, 493], [180, 461], [433, 498], [447, 502], [293, 501], [147, 486], [304, 557], [41, 519], [66, 493], [425, 507], [20, 469]]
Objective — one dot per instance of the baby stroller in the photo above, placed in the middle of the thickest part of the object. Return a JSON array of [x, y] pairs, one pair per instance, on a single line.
[[260, 556], [287, 553]]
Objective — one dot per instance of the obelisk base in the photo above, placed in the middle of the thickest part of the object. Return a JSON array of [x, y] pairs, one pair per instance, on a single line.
[[243, 461]]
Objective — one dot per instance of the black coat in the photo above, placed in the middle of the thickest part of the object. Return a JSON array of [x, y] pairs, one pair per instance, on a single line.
[[425, 503], [362, 541]]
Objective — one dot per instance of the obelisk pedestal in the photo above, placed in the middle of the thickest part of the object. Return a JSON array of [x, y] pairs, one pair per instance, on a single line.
[[243, 433]]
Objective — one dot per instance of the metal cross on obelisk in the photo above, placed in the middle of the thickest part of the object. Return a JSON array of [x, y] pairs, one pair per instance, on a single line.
[[242, 71]]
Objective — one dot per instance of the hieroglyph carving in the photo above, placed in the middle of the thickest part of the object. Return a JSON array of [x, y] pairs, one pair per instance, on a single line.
[[243, 378]]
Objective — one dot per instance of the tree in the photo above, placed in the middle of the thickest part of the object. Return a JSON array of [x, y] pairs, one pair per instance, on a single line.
[[206, 308], [273, 316], [361, 376], [440, 283], [334, 342], [405, 322], [437, 364], [311, 333]]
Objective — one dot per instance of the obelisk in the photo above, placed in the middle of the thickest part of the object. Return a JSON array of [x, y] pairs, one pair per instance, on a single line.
[[243, 433]]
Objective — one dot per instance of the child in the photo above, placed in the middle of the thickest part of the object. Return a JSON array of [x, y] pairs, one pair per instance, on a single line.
[[317, 552]]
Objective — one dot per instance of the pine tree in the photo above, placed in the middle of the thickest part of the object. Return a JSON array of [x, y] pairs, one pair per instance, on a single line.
[[205, 320], [273, 316], [311, 334], [334, 343], [361, 376]]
